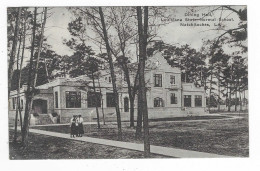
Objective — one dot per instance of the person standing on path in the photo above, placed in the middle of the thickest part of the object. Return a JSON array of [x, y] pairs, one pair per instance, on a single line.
[[73, 130], [77, 126], [80, 128]]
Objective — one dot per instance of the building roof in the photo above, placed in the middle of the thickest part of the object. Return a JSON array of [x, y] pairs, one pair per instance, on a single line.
[[155, 62]]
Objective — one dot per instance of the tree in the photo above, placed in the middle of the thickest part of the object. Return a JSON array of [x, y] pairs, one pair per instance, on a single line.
[[82, 61], [25, 129], [105, 36], [14, 45], [235, 36], [32, 72], [142, 33], [17, 73], [49, 67], [219, 62], [125, 33], [40, 45], [240, 77], [155, 17], [18, 88], [132, 89], [102, 104], [93, 67], [20, 68]]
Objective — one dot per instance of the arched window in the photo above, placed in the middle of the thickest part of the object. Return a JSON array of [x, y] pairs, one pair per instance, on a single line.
[[158, 102]]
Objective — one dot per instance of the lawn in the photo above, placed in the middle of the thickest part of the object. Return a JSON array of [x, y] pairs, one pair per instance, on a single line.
[[226, 137], [47, 147]]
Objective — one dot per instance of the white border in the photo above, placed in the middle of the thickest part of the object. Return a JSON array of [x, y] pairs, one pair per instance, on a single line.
[[252, 163]]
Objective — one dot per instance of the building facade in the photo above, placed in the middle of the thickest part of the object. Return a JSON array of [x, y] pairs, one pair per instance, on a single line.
[[167, 96]]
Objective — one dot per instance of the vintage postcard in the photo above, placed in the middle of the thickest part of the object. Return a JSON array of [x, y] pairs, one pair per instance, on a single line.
[[127, 82]]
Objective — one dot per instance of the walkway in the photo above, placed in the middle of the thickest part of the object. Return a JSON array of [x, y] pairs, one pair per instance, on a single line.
[[166, 151], [195, 120]]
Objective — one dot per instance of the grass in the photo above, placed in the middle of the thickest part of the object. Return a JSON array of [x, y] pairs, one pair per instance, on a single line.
[[225, 137], [47, 147]]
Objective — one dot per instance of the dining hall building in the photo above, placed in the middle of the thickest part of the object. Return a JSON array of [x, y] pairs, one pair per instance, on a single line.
[[60, 99]]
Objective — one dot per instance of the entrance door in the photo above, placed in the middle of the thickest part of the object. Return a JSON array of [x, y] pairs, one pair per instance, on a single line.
[[126, 104]]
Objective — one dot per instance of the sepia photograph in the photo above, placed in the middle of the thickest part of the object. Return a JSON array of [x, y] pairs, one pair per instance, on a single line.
[[127, 82]]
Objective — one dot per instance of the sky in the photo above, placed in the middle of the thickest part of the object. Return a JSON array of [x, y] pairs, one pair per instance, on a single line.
[[173, 33], [56, 30], [179, 30]]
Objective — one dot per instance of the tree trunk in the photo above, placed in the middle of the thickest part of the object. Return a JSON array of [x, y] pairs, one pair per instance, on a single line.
[[111, 72], [132, 110], [142, 32], [239, 93], [25, 129], [227, 97], [210, 89], [236, 84], [15, 124], [13, 51], [102, 105], [218, 90], [94, 87], [229, 101], [40, 45], [236, 99], [17, 90], [245, 99], [123, 62], [46, 70], [201, 76], [130, 92], [21, 64], [138, 132], [240, 101]]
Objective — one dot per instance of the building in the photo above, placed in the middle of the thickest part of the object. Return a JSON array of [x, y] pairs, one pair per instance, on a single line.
[[167, 96]]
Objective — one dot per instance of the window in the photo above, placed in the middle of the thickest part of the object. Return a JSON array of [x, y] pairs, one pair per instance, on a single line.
[[111, 100], [73, 99], [93, 99], [187, 100], [198, 101], [109, 79], [173, 98], [56, 100], [158, 102], [172, 79], [157, 80]]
